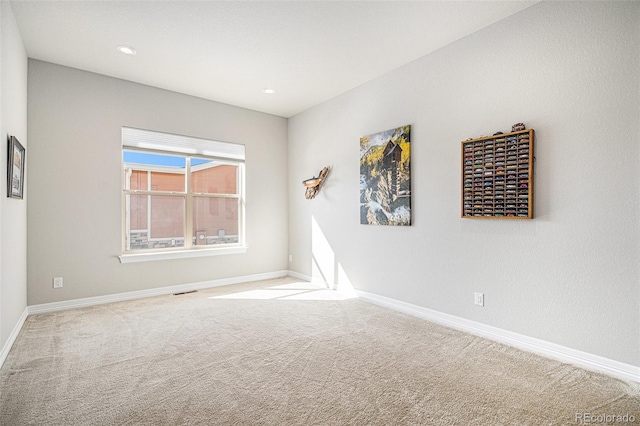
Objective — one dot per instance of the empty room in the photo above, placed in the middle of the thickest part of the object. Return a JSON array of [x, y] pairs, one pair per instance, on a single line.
[[320, 212]]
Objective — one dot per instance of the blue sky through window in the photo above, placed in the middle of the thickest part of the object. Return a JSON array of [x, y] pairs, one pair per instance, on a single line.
[[159, 159]]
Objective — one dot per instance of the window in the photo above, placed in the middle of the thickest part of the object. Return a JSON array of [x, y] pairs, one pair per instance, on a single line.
[[180, 193]]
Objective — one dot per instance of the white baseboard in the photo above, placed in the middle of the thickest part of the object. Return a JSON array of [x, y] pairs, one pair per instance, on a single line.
[[541, 347], [307, 278], [13, 336], [119, 297], [299, 275]]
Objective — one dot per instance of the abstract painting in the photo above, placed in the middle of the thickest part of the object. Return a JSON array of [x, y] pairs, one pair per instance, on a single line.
[[385, 177]]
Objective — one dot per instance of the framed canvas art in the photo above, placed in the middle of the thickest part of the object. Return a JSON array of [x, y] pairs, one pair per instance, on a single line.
[[385, 178]]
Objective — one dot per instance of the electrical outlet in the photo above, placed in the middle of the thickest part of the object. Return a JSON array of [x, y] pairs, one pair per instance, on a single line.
[[290, 258], [478, 299], [57, 282]]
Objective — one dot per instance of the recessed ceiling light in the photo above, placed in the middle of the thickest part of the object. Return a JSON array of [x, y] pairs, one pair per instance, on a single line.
[[268, 91], [127, 50]]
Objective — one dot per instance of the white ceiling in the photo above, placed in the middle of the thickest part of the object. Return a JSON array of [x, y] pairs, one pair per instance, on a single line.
[[308, 52]]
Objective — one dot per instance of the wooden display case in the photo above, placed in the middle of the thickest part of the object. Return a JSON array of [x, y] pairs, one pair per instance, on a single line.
[[497, 176]]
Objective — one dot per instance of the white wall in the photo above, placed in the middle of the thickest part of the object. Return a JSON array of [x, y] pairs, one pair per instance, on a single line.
[[75, 120], [13, 212], [571, 276]]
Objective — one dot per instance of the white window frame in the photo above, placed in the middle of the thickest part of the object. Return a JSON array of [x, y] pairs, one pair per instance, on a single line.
[[189, 148]]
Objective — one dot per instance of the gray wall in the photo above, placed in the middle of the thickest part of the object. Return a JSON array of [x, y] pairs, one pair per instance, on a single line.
[[13, 212], [568, 70], [74, 218]]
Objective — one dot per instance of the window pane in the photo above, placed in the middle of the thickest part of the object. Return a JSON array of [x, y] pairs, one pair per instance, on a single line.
[[138, 180], [167, 217], [148, 159], [213, 177], [161, 181], [154, 221], [215, 220], [167, 171], [138, 208]]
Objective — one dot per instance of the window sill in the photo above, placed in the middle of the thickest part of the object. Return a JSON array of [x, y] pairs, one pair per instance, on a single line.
[[181, 254]]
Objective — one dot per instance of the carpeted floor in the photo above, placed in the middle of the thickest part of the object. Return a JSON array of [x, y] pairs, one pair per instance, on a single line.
[[283, 352]]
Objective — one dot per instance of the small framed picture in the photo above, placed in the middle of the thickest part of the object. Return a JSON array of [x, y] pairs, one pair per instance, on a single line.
[[15, 168]]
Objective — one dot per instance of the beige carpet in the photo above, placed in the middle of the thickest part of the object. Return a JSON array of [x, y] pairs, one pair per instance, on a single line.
[[281, 352]]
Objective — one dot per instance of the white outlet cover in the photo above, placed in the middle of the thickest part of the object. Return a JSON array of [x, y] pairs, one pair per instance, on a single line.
[[479, 299], [57, 282]]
